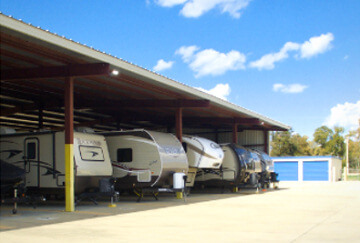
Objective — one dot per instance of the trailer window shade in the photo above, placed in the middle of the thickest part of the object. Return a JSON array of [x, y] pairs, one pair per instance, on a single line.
[[31, 151], [124, 155]]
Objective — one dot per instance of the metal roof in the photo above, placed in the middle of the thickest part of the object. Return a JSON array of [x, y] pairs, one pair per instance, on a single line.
[[134, 98]]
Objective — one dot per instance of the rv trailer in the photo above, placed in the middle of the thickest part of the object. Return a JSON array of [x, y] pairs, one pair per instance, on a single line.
[[41, 155], [201, 154], [267, 175], [11, 176], [12, 184], [145, 159], [255, 175], [237, 168]]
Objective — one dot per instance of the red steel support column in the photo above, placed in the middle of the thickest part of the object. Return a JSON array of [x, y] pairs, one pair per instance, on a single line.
[[266, 141], [235, 133], [178, 122], [216, 135], [41, 117], [69, 140]]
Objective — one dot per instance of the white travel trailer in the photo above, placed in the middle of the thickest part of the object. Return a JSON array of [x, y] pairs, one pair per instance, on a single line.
[[202, 154], [145, 159], [41, 154], [237, 168]]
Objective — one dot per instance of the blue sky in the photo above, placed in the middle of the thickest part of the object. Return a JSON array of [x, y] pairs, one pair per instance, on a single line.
[[296, 61]]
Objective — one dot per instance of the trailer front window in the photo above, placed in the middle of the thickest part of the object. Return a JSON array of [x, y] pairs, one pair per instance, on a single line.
[[124, 155]]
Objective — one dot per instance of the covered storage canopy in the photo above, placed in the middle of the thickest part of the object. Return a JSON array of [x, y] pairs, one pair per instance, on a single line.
[[109, 93]]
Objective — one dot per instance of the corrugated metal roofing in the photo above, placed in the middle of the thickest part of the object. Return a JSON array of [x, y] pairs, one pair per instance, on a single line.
[[27, 46]]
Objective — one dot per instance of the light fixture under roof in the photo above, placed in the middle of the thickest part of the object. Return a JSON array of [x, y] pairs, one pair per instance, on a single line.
[[115, 72]]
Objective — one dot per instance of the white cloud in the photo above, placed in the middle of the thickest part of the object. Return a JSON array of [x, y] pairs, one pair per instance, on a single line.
[[234, 7], [221, 91], [214, 63], [345, 115], [290, 88], [267, 61], [187, 52], [196, 8], [169, 3], [316, 45], [163, 65], [210, 61]]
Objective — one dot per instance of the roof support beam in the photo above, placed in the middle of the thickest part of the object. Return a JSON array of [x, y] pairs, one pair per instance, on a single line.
[[74, 70], [183, 103], [219, 120], [30, 107]]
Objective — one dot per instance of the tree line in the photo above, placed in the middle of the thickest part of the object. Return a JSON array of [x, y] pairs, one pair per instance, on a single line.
[[326, 141]]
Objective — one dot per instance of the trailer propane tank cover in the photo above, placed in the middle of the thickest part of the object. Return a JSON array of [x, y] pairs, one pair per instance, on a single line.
[[178, 179]]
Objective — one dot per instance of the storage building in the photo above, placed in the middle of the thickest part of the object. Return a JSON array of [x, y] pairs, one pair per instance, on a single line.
[[50, 82], [308, 168]]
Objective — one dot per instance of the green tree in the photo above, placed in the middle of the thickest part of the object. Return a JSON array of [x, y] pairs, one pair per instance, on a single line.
[[281, 145], [337, 144], [301, 144], [354, 148], [289, 144], [354, 154], [326, 142], [329, 142], [322, 136]]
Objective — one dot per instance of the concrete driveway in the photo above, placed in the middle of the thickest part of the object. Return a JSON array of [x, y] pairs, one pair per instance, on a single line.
[[298, 212]]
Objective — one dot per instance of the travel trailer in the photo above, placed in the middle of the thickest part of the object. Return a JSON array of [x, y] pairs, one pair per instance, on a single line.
[[201, 154], [41, 155], [11, 176], [12, 184], [237, 168], [267, 175], [145, 159], [254, 178]]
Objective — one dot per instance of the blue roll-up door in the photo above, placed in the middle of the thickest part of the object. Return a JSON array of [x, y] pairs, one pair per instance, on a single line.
[[316, 170], [287, 170]]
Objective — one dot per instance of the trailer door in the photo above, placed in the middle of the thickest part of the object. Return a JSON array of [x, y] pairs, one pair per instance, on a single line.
[[32, 162]]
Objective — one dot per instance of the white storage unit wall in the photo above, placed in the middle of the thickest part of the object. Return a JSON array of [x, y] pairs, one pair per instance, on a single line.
[[308, 168]]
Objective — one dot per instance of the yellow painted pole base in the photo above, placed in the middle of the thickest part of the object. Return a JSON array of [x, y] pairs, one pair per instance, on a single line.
[[69, 178], [179, 195], [235, 189], [112, 205]]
